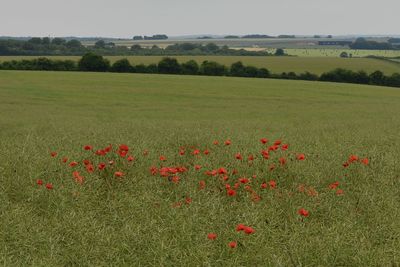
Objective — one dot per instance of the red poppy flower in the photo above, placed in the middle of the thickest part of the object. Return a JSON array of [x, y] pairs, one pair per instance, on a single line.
[[188, 200], [215, 142], [277, 142], [231, 192], [123, 147], [122, 153], [206, 152], [131, 158], [334, 185], [365, 161], [162, 158], [339, 192], [64, 160], [108, 148], [228, 142], [100, 152], [303, 212], [240, 227], [181, 152], [222, 171], [87, 147], [118, 174], [78, 178], [272, 184], [264, 185], [196, 152], [202, 184], [53, 154], [232, 244], [49, 186], [101, 166], [236, 185], [244, 180], [264, 140], [249, 230], [39, 181], [353, 158], [301, 157], [73, 164], [175, 179], [212, 236], [86, 162], [90, 168], [197, 167], [238, 156], [285, 147], [251, 157], [282, 161]]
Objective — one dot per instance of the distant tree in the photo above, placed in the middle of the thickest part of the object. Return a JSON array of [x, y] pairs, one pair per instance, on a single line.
[[136, 47], [74, 44], [344, 54], [330, 36], [211, 47], [231, 37], [279, 52], [35, 41], [263, 73], [137, 38], [377, 78], [58, 41], [122, 65], [393, 80], [237, 69], [93, 62], [308, 76], [169, 66], [46, 41], [100, 44], [152, 68], [190, 68], [212, 68]]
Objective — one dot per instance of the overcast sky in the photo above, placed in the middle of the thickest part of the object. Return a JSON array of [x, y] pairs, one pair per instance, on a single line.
[[125, 18]]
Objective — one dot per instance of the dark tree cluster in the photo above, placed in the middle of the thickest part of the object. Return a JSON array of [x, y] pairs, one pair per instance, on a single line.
[[41, 46], [154, 37], [58, 46], [96, 63], [362, 43]]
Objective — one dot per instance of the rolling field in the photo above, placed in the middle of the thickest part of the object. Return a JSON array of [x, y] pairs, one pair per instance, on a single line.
[[141, 218], [315, 65]]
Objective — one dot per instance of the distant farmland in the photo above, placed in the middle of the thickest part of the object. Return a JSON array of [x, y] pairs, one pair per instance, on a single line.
[[315, 65]]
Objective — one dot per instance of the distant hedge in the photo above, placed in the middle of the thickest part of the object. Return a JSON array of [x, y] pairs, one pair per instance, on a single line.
[[96, 63]]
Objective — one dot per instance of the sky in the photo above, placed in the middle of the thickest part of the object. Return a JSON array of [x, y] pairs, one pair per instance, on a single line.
[[126, 18]]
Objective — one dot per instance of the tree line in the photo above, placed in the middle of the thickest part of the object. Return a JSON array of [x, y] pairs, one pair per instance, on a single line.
[[364, 44], [57, 46], [97, 63]]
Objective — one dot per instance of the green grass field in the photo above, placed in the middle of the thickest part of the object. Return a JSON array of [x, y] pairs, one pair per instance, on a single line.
[[315, 65], [135, 221]]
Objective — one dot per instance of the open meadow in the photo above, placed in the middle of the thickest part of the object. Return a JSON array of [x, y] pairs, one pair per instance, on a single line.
[[303, 173], [316, 65]]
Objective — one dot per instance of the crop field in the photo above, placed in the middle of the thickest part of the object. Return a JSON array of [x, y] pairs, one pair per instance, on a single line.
[[140, 170], [335, 52], [315, 65]]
